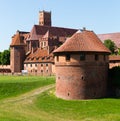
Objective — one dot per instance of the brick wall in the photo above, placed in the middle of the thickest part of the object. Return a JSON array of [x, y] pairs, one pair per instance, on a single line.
[[81, 79], [43, 69]]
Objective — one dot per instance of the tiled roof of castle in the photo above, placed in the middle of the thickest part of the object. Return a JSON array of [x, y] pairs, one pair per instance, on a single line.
[[38, 31], [112, 36], [18, 38], [114, 58], [39, 56], [85, 41]]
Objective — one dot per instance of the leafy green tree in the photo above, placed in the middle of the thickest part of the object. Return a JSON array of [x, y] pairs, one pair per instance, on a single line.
[[5, 57], [110, 45]]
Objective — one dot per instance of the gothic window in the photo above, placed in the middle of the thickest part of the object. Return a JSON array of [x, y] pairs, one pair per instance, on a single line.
[[41, 44], [44, 43]]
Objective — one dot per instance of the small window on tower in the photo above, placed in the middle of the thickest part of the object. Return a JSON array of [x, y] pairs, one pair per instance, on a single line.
[[82, 57], [68, 57], [104, 57], [57, 58], [96, 57]]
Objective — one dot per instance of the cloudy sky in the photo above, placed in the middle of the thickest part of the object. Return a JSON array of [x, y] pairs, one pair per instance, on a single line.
[[101, 16]]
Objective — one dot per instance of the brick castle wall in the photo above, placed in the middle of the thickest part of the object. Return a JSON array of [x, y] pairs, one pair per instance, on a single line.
[[81, 79]]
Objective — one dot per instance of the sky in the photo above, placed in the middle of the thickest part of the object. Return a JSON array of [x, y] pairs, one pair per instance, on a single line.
[[101, 16]]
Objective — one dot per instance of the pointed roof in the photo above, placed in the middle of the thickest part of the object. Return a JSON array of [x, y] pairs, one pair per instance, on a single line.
[[47, 34], [18, 38], [84, 41]]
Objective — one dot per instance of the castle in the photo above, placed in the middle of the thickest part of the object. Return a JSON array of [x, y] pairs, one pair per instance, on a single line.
[[78, 58], [32, 51]]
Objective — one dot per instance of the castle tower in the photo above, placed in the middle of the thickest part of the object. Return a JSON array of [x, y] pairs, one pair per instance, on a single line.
[[81, 67], [45, 18], [17, 52]]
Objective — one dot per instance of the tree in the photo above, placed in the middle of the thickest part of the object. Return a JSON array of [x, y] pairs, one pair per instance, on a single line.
[[110, 45], [5, 57]]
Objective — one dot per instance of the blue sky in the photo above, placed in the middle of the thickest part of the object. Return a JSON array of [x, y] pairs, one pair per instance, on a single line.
[[101, 16]]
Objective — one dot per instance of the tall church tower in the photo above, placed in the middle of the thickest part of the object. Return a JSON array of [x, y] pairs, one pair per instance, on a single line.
[[45, 18]]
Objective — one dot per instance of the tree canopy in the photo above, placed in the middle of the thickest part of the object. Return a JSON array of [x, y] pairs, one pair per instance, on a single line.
[[5, 57], [110, 45]]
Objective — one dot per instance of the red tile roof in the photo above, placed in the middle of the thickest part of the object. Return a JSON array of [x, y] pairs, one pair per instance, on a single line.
[[40, 55], [38, 31], [112, 36], [85, 41], [18, 38], [114, 58]]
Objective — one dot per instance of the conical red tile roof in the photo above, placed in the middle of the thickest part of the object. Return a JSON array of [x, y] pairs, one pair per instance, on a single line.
[[85, 41]]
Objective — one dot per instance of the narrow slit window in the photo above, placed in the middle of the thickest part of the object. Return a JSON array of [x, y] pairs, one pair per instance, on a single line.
[[57, 58]]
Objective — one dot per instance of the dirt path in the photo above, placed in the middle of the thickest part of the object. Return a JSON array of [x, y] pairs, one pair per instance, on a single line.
[[28, 95]]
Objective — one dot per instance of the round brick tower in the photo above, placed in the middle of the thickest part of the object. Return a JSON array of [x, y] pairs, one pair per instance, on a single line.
[[81, 67]]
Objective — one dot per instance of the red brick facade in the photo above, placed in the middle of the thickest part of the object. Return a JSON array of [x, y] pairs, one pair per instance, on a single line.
[[81, 79]]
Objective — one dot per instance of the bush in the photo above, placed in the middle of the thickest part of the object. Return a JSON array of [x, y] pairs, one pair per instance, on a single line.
[[114, 76]]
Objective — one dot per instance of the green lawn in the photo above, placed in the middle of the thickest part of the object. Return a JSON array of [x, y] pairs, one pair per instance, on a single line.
[[16, 85], [84, 110], [47, 107]]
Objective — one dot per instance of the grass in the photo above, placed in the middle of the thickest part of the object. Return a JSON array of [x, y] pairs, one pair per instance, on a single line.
[[84, 110], [47, 107], [16, 85]]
